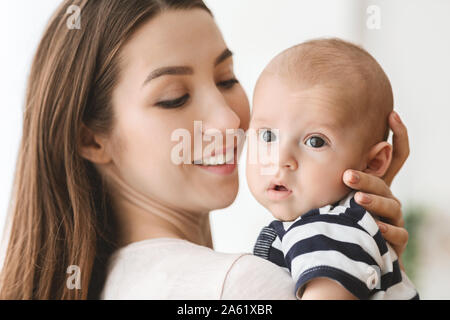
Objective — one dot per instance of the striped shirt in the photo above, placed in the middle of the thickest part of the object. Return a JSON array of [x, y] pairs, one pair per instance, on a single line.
[[341, 242]]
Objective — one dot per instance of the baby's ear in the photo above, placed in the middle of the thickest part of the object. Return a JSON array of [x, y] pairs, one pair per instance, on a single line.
[[379, 160]]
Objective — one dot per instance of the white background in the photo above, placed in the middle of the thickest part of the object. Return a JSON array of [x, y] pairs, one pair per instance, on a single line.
[[412, 45]]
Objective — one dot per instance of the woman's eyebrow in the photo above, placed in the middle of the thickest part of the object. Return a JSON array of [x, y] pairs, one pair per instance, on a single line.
[[223, 56], [180, 70], [183, 70]]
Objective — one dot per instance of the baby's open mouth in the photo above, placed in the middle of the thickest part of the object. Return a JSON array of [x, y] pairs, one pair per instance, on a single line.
[[280, 188], [278, 191]]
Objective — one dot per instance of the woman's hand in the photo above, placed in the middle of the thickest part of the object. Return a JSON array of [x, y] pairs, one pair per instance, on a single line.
[[375, 194]]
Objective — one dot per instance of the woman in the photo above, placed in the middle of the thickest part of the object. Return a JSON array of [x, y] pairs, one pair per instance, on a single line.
[[95, 176]]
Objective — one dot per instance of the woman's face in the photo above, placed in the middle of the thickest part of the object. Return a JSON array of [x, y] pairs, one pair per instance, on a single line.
[[176, 69]]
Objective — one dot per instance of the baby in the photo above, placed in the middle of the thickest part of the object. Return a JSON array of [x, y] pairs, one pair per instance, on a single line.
[[326, 104]]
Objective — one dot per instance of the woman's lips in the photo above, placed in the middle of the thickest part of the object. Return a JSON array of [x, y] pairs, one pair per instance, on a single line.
[[222, 169], [278, 191]]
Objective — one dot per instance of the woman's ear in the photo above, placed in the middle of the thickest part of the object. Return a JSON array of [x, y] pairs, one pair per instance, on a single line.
[[380, 156], [93, 147]]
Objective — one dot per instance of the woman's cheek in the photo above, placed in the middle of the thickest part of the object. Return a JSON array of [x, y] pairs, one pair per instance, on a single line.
[[147, 150], [238, 101]]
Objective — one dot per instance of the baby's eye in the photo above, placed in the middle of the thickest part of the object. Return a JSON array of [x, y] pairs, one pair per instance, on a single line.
[[267, 135], [315, 142]]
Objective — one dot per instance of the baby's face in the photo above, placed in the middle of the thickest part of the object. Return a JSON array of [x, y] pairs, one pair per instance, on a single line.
[[317, 142]]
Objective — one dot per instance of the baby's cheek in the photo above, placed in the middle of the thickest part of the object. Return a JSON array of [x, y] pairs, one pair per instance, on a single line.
[[323, 181], [254, 180], [318, 169]]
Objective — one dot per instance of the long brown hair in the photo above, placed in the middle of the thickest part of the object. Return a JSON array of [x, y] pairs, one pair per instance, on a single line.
[[60, 214]]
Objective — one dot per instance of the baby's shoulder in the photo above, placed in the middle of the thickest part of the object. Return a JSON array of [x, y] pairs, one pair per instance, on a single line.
[[343, 225], [347, 213]]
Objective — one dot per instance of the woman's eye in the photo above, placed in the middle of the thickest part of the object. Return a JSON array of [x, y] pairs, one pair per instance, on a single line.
[[228, 84], [176, 103], [315, 142], [267, 135]]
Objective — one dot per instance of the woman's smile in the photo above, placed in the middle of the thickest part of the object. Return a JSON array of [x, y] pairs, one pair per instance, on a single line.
[[220, 163]]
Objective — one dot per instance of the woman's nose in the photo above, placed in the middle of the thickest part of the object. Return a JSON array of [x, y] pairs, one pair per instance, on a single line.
[[219, 114]]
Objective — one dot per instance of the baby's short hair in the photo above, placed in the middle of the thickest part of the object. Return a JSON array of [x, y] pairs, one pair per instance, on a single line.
[[334, 62]]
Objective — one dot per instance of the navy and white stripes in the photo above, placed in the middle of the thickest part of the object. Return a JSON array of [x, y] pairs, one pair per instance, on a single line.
[[266, 238], [341, 242]]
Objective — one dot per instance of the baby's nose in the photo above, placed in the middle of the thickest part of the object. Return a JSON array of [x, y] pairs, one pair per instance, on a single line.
[[288, 162]]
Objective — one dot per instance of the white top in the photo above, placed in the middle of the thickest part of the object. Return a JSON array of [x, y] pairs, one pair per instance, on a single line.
[[176, 269]]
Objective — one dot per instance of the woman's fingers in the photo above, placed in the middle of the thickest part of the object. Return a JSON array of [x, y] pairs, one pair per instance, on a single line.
[[367, 183], [401, 150], [388, 208], [396, 236]]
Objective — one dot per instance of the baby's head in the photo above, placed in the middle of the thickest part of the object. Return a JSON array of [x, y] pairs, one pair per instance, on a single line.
[[330, 102]]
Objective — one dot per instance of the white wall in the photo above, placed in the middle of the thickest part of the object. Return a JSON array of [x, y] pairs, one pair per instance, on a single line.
[[413, 46]]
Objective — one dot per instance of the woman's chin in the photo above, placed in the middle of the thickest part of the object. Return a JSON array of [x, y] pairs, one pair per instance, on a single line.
[[223, 196]]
